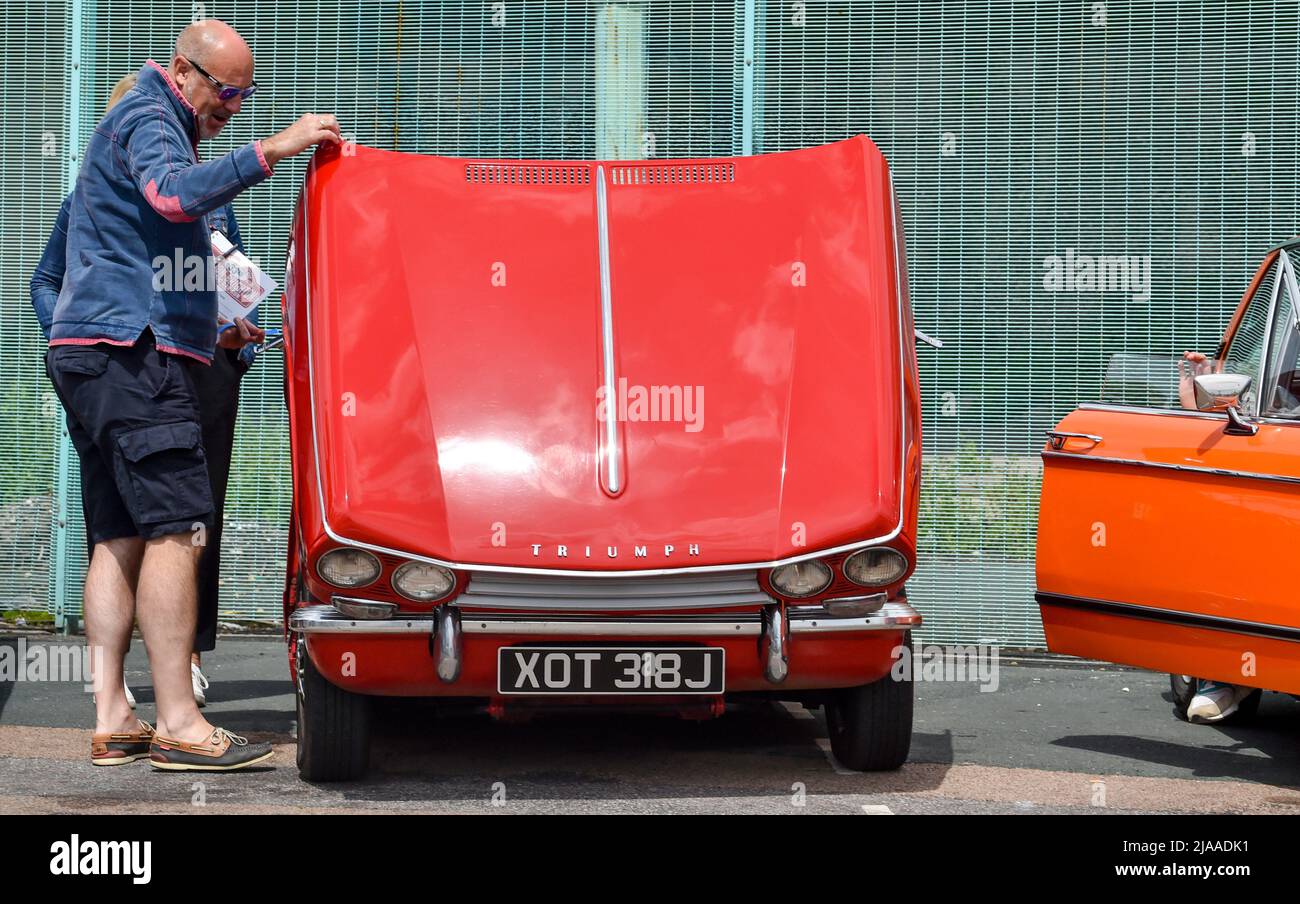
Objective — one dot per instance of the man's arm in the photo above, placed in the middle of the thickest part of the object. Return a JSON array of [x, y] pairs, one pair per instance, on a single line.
[[180, 190], [162, 164], [47, 281], [310, 129]]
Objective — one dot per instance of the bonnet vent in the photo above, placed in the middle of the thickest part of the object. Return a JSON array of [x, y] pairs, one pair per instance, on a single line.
[[525, 174], [674, 174]]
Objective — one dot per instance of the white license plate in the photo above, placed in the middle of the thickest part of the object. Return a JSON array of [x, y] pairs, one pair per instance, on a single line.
[[611, 670]]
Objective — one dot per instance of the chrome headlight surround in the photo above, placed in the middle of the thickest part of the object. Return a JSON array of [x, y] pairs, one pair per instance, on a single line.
[[801, 579], [422, 582], [348, 568], [876, 566]]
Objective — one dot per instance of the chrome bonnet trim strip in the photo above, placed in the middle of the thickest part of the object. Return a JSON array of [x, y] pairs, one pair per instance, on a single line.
[[1164, 466], [611, 477], [512, 569]]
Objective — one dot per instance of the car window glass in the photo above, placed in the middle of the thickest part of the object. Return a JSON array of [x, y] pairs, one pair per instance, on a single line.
[[1142, 380], [1246, 350], [1280, 394], [1145, 380]]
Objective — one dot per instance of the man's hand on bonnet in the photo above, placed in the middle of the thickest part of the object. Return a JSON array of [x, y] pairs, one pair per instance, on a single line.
[[310, 129]]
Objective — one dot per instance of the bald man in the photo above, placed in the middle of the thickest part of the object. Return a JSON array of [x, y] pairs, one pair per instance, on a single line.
[[124, 335]]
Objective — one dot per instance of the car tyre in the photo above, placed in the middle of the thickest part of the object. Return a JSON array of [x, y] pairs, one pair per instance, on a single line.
[[870, 725], [333, 726], [1183, 688]]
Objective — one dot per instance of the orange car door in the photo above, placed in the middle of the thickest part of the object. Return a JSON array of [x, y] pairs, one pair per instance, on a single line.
[[1167, 543]]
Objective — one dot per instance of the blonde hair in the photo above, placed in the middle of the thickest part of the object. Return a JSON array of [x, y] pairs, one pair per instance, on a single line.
[[124, 84]]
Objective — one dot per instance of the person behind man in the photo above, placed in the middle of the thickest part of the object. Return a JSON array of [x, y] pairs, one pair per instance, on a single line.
[[1213, 701], [122, 347], [218, 391], [217, 388]]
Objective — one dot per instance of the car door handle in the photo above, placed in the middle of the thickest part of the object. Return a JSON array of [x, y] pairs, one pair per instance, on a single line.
[[1058, 438]]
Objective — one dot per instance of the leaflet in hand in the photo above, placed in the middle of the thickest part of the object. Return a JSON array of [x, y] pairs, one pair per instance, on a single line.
[[241, 285]]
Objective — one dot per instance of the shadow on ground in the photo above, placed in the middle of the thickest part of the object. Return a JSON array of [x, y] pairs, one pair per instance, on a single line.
[[421, 750], [1218, 752]]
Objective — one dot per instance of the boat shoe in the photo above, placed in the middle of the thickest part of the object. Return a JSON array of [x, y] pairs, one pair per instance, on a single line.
[[119, 748], [222, 751]]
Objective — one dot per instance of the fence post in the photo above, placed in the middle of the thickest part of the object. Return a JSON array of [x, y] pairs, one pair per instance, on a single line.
[[747, 78], [620, 81], [59, 563]]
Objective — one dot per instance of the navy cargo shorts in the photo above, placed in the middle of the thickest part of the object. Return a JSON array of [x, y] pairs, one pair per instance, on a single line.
[[133, 418]]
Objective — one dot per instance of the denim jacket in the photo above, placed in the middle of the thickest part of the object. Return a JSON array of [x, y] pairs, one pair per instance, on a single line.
[[47, 281], [142, 197]]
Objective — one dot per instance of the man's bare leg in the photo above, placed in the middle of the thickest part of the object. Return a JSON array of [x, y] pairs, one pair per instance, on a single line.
[[167, 609], [109, 610]]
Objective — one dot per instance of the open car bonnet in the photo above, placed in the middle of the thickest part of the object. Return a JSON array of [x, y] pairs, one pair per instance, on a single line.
[[622, 365]]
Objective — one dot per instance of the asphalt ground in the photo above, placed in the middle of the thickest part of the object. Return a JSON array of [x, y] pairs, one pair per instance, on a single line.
[[1052, 738]]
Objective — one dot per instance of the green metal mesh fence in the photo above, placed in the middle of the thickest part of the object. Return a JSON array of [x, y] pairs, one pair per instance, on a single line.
[[1019, 133], [33, 155]]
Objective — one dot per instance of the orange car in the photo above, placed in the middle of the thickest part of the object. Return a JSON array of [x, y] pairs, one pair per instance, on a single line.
[[1167, 536]]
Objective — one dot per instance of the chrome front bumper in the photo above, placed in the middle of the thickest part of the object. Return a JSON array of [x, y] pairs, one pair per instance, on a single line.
[[325, 619], [449, 623]]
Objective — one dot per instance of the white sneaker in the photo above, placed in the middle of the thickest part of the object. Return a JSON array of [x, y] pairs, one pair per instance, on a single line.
[[200, 684], [1215, 701]]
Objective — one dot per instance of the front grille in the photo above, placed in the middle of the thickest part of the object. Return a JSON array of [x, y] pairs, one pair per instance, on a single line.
[[708, 590]]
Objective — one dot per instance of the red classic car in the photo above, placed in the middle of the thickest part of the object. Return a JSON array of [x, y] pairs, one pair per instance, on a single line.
[[632, 433]]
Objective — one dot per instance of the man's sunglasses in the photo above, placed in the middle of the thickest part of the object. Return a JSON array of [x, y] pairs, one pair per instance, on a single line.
[[224, 91]]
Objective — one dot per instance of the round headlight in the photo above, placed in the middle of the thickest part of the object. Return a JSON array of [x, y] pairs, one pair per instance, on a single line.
[[801, 578], [348, 567], [423, 582], [877, 567]]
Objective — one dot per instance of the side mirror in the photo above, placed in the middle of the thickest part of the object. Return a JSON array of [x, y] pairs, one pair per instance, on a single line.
[[1223, 392], [1217, 392]]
